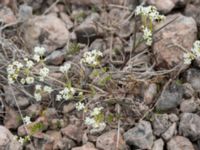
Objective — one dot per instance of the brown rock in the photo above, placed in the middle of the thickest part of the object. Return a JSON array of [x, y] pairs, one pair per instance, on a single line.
[[72, 132], [7, 16], [177, 32], [7, 141], [65, 18], [168, 5], [43, 141], [64, 144], [38, 126], [103, 2], [87, 146], [48, 31], [150, 93], [108, 141], [12, 119], [33, 110], [179, 143]]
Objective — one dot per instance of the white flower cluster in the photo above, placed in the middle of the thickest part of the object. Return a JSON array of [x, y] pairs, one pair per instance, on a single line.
[[39, 90], [92, 121], [43, 73], [91, 58], [66, 93], [13, 71], [147, 36], [22, 140], [80, 106], [195, 53], [26, 120], [150, 12], [39, 52], [65, 68]]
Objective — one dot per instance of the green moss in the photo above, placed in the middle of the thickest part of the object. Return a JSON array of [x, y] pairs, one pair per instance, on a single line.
[[37, 127], [58, 124], [73, 48]]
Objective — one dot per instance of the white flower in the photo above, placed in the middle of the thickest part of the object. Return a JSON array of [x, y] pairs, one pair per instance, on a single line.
[[96, 111], [36, 58], [38, 96], [58, 97], [80, 106], [10, 80], [196, 48], [147, 36], [23, 81], [139, 10], [91, 58], [10, 69], [27, 120], [188, 57], [38, 87], [65, 68], [99, 125], [18, 64], [66, 93], [21, 140], [15, 137], [29, 64], [39, 51], [29, 80], [43, 73], [89, 121], [47, 89], [150, 12]]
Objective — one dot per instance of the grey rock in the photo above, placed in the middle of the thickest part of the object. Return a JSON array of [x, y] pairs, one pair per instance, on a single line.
[[126, 28], [107, 141], [55, 58], [7, 141], [190, 126], [22, 101], [193, 77], [188, 106], [179, 143], [160, 123], [158, 145], [87, 30], [193, 10], [170, 132], [171, 97], [98, 44], [25, 12], [87, 146], [140, 136], [188, 91], [173, 117]]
